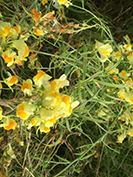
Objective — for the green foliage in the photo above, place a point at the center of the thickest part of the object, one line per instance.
(73, 39)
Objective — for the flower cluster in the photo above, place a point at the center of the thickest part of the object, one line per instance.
(120, 76)
(106, 51)
(13, 47)
(48, 105)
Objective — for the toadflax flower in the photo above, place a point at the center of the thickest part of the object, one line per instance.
(8, 123)
(11, 125)
(38, 31)
(51, 99)
(121, 137)
(8, 56)
(130, 57)
(123, 74)
(56, 84)
(43, 128)
(63, 2)
(129, 97)
(27, 87)
(104, 50)
(11, 80)
(4, 29)
(25, 109)
(21, 46)
(40, 77)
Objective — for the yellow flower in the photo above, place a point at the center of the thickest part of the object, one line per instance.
(8, 56)
(64, 109)
(128, 47)
(51, 99)
(130, 58)
(27, 87)
(38, 32)
(50, 122)
(121, 137)
(40, 78)
(46, 114)
(130, 132)
(127, 117)
(12, 125)
(25, 109)
(56, 84)
(113, 71)
(8, 123)
(116, 56)
(129, 81)
(17, 28)
(122, 94)
(19, 60)
(21, 111)
(21, 46)
(123, 74)
(63, 2)
(14, 32)
(129, 97)
(62, 81)
(4, 29)
(43, 128)
(35, 121)
(66, 99)
(104, 50)
(44, 2)
(11, 80)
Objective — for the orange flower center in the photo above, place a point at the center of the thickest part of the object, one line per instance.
(39, 74)
(26, 86)
(124, 73)
(66, 100)
(53, 85)
(26, 51)
(7, 59)
(13, 80)
(52, 120)
(21, 113)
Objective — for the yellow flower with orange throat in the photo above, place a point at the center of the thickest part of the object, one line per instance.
(9, 56)
(27, 87)
(40, 78)
(11, 80)
(8, 123)
(4, 29)
(25, 109)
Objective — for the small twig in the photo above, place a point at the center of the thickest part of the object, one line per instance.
(28, 171)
